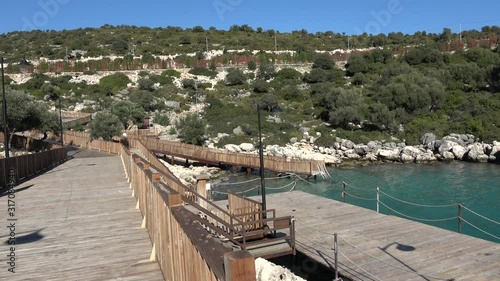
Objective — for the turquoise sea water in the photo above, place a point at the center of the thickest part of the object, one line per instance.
(441, 185)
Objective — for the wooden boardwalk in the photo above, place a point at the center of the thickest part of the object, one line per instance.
(78, 221)
(403, 249)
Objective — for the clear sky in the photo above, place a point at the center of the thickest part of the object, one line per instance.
(349, 16)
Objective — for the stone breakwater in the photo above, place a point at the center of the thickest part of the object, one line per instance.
(452, 147)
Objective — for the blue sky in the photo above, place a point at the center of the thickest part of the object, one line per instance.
(349, 16)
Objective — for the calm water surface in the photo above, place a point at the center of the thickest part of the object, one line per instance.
(440, 187)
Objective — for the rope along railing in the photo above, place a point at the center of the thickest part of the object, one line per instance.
(257, 187)
(460, 217)
(337, 250)
(417, 219)
(477, 228)
(248, 181)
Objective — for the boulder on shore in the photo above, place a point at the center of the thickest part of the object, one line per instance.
(232, 148)
(476, 153)
(247, 147)
(389, 154)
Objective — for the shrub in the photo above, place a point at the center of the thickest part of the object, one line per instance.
(266, 71)
(252, 65)
(171, 73)
(324, 61)
(114, 82)
(162, 119)
(203, 71)
(260, 86)
(235, 77)
(146, 84)
(288, 73)
(191, 129)
(189, 84)
(105, 125)
(128, 112)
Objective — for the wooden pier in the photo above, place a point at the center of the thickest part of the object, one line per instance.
(374, 246)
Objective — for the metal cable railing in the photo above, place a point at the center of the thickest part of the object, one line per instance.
(360, 250)
(459, 217)
(257, 187)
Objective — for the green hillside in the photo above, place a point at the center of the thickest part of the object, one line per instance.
(393, 85)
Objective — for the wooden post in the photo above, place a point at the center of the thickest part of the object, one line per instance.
(201, 188)
(343, 192)
(459, 218)
(378, 200)
(156, 177)
(239, 266)
(336, 252)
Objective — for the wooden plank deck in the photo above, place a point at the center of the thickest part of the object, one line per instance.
(405, 250)
(78, 221)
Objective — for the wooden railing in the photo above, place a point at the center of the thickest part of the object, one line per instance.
(179, 244)
(216, 156)
(30, 164)
(83, 140)
(245, 209)
(239, 226)
(142, 132)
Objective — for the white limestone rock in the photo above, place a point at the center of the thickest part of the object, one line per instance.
(406, 158)
(447, 155)
(389, 154)
(232, 148)
(267, 271)
(459, 151)
(476, 153)
(247, 147)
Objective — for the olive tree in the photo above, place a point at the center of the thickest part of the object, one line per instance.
(105, 125)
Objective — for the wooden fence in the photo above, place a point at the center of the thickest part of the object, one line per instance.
(179, 241)
(216, 156)
(142, 132)
(83, 140)
(28, 165)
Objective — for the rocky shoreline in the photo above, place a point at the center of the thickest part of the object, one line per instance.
(345, 153)
(459, 147)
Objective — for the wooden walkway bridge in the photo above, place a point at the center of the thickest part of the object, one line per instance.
(78, 221)
(374, 246)
(218, 156)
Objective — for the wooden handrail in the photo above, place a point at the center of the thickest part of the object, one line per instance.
(30, 164)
